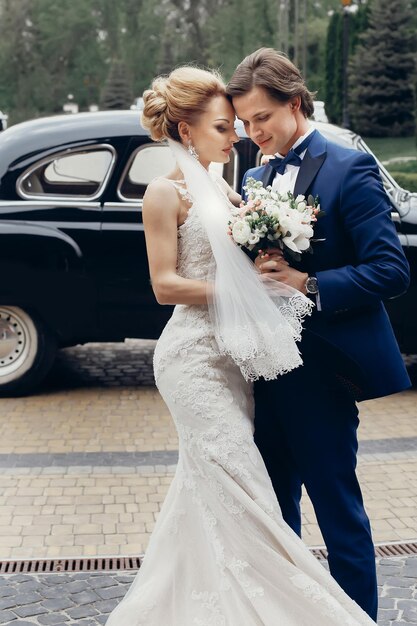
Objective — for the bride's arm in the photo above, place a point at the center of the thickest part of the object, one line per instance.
(233, 197)
(161, 209)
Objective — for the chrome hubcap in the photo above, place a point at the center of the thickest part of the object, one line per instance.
(12, 338)
(16, 342)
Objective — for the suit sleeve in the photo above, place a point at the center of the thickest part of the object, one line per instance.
(242, 191)
(380, 270)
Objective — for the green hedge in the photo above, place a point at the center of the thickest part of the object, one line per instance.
(406, 180)
(404, 166)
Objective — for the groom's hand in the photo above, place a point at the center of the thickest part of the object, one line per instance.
(268, 256)
(273, 265)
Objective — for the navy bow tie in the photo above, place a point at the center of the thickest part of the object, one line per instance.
(292, 158)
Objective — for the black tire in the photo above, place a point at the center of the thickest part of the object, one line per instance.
(27, 351)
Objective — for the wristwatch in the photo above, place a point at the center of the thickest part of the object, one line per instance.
(312, 285)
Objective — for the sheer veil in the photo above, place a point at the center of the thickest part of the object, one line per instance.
(257, 321)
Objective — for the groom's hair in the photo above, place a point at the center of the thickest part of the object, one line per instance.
(274, 72)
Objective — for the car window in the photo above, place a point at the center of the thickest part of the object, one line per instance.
(230, 170)
(153, 160)
(78, 173)
(145, 164)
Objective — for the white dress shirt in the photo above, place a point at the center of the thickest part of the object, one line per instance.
(285, 182)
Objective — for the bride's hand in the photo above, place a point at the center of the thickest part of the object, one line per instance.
(273, 265)
(269, 260)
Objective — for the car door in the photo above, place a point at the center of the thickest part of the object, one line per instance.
(56, 230)
(128, 307)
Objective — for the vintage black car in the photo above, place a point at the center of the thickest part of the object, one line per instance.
(73, 262)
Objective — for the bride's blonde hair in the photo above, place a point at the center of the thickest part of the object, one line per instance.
(181, 96)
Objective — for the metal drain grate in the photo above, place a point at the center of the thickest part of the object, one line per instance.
(49, 566)
(396, 549)
(381, 550)
(109, 564)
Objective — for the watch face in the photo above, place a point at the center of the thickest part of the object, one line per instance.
(311, 285)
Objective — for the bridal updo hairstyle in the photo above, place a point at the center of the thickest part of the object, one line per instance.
(181, 96)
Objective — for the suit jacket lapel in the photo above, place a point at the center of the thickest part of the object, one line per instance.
(312, 162)
(268, 175)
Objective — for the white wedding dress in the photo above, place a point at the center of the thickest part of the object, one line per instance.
(221, 554)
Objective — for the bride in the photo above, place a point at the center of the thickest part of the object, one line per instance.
(220, 554)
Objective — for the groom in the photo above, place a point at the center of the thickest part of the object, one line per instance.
(306, 421)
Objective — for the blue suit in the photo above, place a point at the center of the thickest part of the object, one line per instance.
(306, 421)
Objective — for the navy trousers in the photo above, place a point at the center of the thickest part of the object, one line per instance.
(306, 429)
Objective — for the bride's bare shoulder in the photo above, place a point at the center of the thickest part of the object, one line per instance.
(162, 193)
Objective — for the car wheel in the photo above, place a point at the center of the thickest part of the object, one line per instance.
(27, 351)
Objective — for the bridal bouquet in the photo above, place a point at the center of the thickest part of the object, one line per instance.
(268, 219)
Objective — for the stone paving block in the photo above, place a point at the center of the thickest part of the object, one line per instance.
(390, 570)
(8, 602)
(86, 597)
(125, 578)
(393, 581)
(105, 606)
(409, 608)
(30, 610)
(53, 592)
(52, 619)
(7, 617)
(388, 614)
(108, 593)
(101, 581)
(386, 603)
(75, 586)
(57, 604)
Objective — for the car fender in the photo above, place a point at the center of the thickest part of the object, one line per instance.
(39, 234)
(42, 269)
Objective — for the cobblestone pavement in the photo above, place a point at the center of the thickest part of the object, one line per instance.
(86, 462)
(86, 599)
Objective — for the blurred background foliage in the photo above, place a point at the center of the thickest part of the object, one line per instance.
(106, 53)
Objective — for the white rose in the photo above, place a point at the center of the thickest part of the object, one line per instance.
(241, 232)
(301, 206)
(287, 223)
(278, 213)
(298, 238)
(255, 215)
(253, 238)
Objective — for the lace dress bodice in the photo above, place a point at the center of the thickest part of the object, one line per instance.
(195, 260)
(195, 257)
